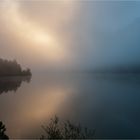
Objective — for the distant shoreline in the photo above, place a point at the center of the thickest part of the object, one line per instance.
(12, 68)
(15, 75)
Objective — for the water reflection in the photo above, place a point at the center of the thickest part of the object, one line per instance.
(12, 83)
(109, 104)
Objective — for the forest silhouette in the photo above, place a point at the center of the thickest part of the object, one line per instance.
(12, 68)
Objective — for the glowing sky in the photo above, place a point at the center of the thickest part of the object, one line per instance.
(38, 38)
(69, 33)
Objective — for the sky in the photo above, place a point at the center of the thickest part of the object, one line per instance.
(70, 34)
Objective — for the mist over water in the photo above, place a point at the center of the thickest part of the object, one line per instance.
(107, 103)
(71, 35)
(85, 65)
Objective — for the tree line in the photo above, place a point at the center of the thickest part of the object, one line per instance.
(12, 68)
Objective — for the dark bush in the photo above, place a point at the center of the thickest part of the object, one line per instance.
(65, 130)
(2, 131)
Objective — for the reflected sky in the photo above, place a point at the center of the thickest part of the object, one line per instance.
(108, 103)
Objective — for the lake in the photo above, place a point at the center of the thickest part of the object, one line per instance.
(108, 103)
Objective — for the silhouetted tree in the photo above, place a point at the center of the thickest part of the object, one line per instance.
(2, 131)
(26, 72)
(65, 130)
(12, 68)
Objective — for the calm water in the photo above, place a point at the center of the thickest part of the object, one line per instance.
(110, 104)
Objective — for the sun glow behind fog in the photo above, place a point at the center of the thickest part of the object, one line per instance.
(41, 41)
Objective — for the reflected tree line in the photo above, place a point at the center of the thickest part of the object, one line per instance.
(12, 75)
(12, 68)
(12, 83)
(11, 78)
(56, 129)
